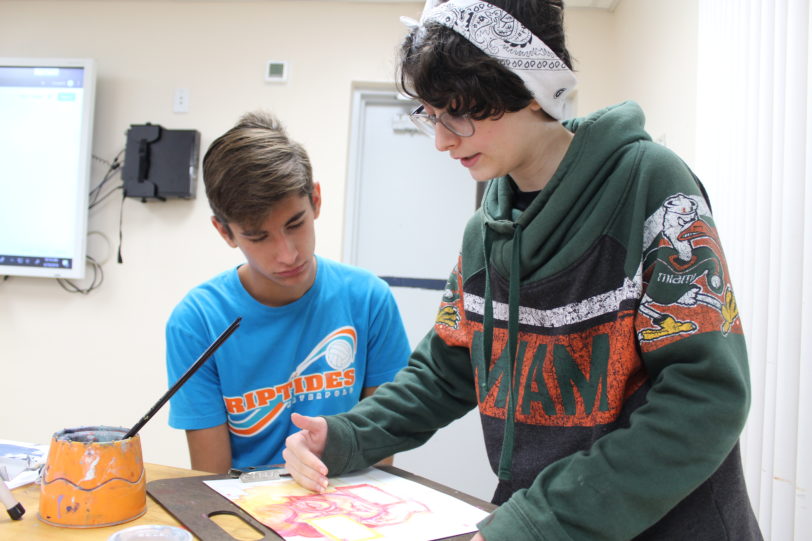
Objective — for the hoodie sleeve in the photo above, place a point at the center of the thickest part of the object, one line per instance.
(435, 389)
(691, 343)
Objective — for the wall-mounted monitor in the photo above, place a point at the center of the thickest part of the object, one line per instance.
(46, 125)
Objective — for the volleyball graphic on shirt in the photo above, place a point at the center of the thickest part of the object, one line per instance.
(257, 409)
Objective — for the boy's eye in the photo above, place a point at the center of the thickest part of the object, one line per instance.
(258, 238)
(295, 225)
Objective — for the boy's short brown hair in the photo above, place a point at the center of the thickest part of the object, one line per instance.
(251, 167)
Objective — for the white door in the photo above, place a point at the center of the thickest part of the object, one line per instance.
(407, 205)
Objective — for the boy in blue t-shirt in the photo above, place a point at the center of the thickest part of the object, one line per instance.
(316, 335)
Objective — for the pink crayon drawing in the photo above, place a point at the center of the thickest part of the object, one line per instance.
(300, 515)
(364, 506)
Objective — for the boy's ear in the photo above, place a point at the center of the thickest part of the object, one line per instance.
(224, 231)
(315, 199)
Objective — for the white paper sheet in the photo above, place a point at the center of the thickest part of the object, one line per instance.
(371, 504)
(20, 462)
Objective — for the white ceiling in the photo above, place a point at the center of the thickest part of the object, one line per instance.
(608, 5)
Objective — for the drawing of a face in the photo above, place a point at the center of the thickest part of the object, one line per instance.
(298, 515)
(680, 212)
(504, 26)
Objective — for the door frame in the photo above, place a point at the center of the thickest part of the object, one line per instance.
(363, 95)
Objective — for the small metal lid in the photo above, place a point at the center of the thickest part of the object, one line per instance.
(153, 532)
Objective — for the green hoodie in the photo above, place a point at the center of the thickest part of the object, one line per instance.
(617, 383)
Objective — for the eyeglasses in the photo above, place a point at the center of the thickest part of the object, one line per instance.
(461, 125)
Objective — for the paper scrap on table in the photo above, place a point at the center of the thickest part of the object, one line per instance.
(20, 462)
(371, 504)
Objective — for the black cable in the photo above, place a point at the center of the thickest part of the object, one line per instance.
(105, 196)
(95, 199)
(113, 169)
(105, 162)
(96, 281)
(120, 228)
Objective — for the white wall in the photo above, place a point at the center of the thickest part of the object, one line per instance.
(644, 51)
(69, 360)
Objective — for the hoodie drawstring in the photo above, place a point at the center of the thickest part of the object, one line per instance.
(487, 318)
(506, 456)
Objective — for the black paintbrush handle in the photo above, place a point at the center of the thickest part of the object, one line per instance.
(192, 369)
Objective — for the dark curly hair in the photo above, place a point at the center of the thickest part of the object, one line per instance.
(445, 70)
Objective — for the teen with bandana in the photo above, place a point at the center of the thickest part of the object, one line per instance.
(590, 315)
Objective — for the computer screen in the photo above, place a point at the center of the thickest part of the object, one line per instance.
(46, 125)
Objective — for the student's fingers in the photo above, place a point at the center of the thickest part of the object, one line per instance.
(315, 429)
(305, 468)
(303, 451)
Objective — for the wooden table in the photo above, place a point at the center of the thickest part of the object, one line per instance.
(30, 527)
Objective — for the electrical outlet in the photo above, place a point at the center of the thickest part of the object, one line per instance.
(180, 103)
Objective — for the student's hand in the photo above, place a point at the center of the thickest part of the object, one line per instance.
(303, 452)
(478, 537)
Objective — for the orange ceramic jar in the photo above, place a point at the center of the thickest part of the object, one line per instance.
(93, 477)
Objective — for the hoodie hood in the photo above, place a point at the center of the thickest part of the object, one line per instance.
(543, 239)
(601, 139)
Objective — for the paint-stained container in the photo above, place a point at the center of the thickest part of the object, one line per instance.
(93, 477)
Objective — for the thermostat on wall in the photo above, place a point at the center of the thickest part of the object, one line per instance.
(276, 71)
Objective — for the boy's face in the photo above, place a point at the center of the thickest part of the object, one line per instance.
(280, 265)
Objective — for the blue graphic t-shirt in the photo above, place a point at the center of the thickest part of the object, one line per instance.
(313, 356)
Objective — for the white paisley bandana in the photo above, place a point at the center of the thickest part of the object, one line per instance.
(499, 35)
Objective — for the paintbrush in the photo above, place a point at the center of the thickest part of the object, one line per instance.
(192, 369)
